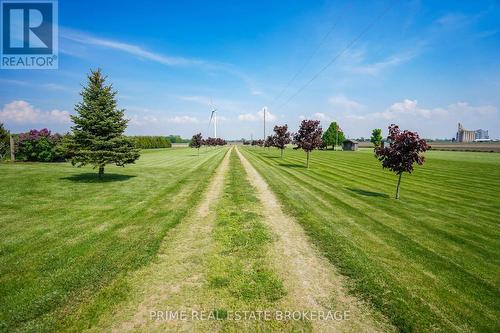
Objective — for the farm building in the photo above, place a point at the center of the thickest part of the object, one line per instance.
(350, 145)
(464, 135)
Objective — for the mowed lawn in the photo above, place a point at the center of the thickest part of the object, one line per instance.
(430, 261)
(67, 240)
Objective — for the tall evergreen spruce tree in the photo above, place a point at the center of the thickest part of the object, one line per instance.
(99, 125)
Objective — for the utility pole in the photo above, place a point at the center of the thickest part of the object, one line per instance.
(264, 109)
(337, 140)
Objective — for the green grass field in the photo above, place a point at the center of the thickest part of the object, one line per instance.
(429, 261)
(68, 240)
(70, 245)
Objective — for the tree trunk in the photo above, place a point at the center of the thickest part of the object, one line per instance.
(198, 151)
(101, 171)
(281, 153)
(307, 164)
(399, 183)
(12, 150)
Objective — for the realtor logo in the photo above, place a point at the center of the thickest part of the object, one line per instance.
(29, 36)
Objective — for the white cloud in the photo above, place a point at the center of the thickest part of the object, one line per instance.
(48, 86)
(344, 103)
(222, 105)
(59, 116)
(410, 108)
(143, 120)
(22, 112)
(132, 49)
(147, 120)
(78, 44)
(377, 67)
(321, 116)
(248, 117)
(202, 100)
(405, 108)
(183, 120)
(55, 86)
(465, 108)
(361, 61)
(452, 20)
(436, 122)
(257, 116)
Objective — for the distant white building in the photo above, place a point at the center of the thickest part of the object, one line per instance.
(464, 135)
(482, 135)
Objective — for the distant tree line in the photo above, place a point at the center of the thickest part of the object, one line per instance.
(177, 139)
(151, 142)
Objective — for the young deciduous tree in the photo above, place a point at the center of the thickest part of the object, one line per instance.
(4, 141)
(404, 150)
(281, 137)
(376, 137)
(196, 142)
(98, 128)
(269, 141)
(220, 142)
(308, 137)
(211, 142)
(333, 135)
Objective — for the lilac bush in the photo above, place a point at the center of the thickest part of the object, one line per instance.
(39, 146)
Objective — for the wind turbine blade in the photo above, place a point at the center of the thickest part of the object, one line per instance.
(211, 116)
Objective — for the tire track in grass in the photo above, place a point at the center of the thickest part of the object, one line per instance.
(321, 193)
(68, 285)
(272, 172)
(312, 282)
(435, 233)
(172, 281)
(240, 275)
(215, 262)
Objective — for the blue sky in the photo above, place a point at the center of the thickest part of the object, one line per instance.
(426, 65)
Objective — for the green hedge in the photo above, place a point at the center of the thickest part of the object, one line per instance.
(150, 142)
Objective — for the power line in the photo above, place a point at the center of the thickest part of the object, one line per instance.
(338, 55)
(313, 54)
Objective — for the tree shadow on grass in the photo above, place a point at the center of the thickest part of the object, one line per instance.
(290, 165)
(93, 178)
(368, 193)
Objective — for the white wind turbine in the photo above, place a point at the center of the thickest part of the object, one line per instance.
(213, 116)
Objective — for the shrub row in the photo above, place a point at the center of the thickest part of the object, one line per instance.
(43, 146)
(150, 142)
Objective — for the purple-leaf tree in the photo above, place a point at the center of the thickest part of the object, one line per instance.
(196, 142)
(281, 137)
(308, 137)
(403, 151)
(269, 141)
